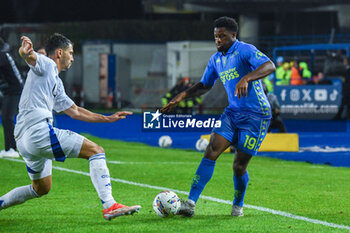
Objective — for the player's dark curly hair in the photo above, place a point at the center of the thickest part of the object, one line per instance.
(226, 22)
(57, 41)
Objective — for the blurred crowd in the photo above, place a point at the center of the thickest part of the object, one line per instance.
(186, 106)
(294, 72)
(297, 72)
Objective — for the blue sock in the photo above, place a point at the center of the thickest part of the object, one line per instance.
(240, 184)
(203, 175)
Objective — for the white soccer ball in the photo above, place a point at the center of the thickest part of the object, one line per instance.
(201, 144)
(165, 141)
(166, 203)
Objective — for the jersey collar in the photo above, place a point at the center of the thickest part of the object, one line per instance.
(232, 48)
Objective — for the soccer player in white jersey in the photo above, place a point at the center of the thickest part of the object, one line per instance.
(39, 142)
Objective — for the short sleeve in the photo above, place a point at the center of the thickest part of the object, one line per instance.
(41, 63)
(210, 75)
(253, 56)
(62, 101)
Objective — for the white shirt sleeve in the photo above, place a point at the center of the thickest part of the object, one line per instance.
(41, 64)
(62, 101)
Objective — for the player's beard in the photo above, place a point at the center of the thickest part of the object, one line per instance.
(67, 66)
(220, 49)
(224, 47)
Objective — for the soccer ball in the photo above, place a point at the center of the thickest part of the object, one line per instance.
(201, 144)
(166, 203)
(165, 141)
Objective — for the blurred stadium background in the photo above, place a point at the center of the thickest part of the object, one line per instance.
(129, 54)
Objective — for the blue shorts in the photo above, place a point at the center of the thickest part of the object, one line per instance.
(244, 131)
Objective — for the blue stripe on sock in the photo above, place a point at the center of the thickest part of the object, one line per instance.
(1, 201)
(97, 156)
(31, 171)
(56, 146)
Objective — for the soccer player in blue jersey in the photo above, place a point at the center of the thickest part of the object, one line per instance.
(239, 66)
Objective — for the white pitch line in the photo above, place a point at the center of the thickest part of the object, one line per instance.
(179, 163)
(271, 211)
(149, 163)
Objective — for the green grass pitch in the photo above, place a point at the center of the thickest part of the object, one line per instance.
(312, 191)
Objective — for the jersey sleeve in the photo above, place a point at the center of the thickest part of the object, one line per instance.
(253, 56)
(62, 101)
(210, 75)
(41, 63)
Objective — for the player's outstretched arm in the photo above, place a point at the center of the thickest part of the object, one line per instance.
(174, 102)
(261, 72)
(196, 90)
(83, 114)
(26, 51)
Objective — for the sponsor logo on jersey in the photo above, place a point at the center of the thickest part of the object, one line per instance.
(228, 75)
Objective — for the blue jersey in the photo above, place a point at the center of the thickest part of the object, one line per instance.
(240, 59)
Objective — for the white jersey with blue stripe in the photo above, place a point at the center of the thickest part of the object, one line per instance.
(43, 92)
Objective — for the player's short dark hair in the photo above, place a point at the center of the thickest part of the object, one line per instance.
(226, 22)
(57, 41)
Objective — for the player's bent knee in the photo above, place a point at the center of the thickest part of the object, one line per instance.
(239, 169)
(89, 149)
(97, 149)
(101, 150)
(211, 152)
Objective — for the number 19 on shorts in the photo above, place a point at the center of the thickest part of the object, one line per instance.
(249, 142)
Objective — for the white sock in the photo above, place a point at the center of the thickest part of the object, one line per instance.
(17, 196)
(99, 174)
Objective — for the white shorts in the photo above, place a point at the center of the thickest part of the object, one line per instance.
(42, 143)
